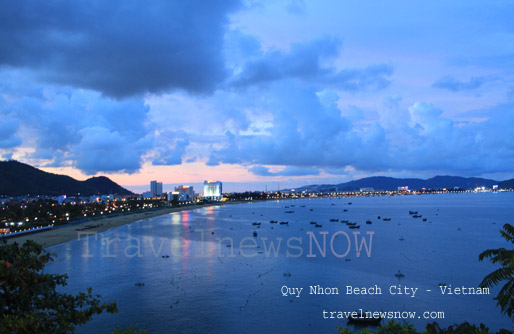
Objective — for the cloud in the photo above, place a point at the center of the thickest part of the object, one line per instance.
(287, 171)
(101, 149)
(454, 85)
(307, 62)
(8, 129)
(60, 122)
(120, 48)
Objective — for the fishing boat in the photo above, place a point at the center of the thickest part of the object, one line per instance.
(361, 319)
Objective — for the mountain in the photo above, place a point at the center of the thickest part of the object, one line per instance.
(507, 184)
(391, 183)
(17, 179)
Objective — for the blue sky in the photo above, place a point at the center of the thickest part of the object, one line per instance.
(258, 92)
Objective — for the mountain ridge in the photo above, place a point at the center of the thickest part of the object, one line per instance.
(391, 183)
(19, 179)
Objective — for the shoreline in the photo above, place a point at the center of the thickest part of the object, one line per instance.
(65, 233)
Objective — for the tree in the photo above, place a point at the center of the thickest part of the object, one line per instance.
(29, 300)
(505, 257)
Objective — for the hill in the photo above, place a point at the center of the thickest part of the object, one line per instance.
(391, 183)
(18, 179)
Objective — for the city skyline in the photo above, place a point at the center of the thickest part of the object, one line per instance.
(252, 94)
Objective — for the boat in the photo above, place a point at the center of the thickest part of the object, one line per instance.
(313, 223)
(399, 274)
(355, 226)
(284, 223)
(254, 234)
(288, 211)
(402, 238)
(424, 219)
(369, 222)
(334, 220)
(363, 320)
(416, 216)
(378, 217)
(165, 256)
(386, 219)
(351, 224)
(318, 225)
(345, 210)
(413, 212)
(273, 221)
(139, 284)
(256, 224)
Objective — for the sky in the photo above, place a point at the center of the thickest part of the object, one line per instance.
(257, 93)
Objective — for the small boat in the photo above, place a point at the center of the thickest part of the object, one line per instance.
(369, 222)
(378, 217)
(416, 216)
(351, 224)
(402, 238)
(318, 225)
(361, 319)
(254, 234)
(442, 284)
(345, 210)
(334, 220)
(313, 223)
(284, 223)
(273, 221)
(355, 226)
(311, 209)
(288, 211)
(165, 256)
(424, 219)
(287, 274)
(256, 224)
(413, 212)
(139, 284)
(399, 274)
(386, 219)
(349, 203)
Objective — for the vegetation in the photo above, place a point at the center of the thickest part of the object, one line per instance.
(29, 299)
(505, 258)
(393, 327)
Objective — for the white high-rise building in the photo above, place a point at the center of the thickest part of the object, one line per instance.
(212, 190)
(156, 188)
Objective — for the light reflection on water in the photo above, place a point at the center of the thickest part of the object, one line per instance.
(200, 287)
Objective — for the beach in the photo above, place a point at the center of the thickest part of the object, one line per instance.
(64, 233)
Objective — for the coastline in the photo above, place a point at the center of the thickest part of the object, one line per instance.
(69, 232)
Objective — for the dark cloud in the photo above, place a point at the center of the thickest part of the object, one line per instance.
(287, 171)
(119, 48)
(308, 62)
(453, 85)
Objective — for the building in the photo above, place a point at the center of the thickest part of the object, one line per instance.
(156, 188)
(185, 193)
(212, 190)
(367, 190)
(404, 188)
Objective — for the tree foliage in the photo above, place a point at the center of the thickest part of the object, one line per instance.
(505, 258)
(393, 327)
(29, 300)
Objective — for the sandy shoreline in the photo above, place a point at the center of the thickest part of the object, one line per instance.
(69, 232)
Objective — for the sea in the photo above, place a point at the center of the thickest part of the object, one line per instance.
(217, 270)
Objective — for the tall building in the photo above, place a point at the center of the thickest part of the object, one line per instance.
(212, 190)
(185, 193)
(156, 188)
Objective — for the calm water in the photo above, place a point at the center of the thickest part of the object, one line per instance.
(200, 287)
